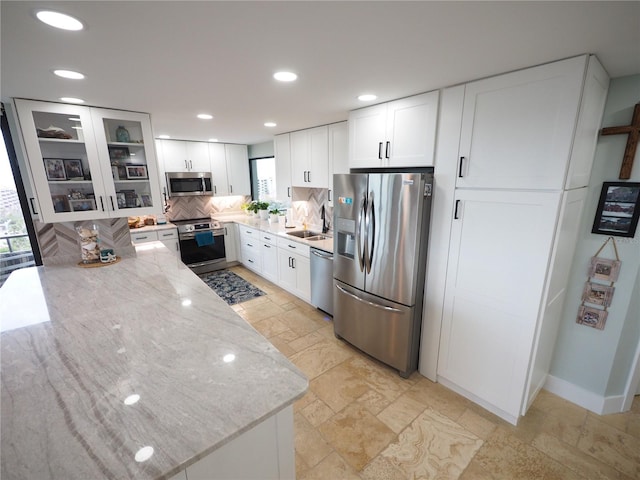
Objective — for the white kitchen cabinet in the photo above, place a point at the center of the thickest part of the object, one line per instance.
(269, 252)
(512, 231)
(282, 150)
(238, 169)
(218, 159)
(294, 268)
(338, 153)
(500, 245)
(231, 242)
(83, 165)
(250, 251)
(310, 157)
(518, 128)
(395, 134)
(168, 236)
(185, 156)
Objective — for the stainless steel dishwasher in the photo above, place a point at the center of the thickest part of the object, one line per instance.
(322, 280)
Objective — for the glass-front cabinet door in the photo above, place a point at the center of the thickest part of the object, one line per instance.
(128, 161)
(89, 163)
(63, 158)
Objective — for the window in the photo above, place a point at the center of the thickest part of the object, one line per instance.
(263, 178)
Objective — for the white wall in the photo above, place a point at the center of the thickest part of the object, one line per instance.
(260, 150)
(598, 361)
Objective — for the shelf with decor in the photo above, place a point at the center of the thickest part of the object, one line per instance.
(84, 159)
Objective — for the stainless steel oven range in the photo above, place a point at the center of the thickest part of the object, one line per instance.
(201, 244)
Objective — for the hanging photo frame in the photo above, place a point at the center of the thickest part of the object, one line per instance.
(604, 269)
(597, 294)
(592, 317)
(618, 209)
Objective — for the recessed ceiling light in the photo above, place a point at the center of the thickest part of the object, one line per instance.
(213, 139)
(69, 74)
(270, 124)
(59, 20)
(367, 97)
(205, 116)
(164, 137)
(285, 76)
(71, 100)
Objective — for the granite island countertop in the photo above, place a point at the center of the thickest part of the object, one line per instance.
(99, 363)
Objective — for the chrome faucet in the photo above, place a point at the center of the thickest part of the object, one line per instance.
(325, 224)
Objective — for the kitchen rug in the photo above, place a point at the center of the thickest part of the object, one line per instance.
(230, 287)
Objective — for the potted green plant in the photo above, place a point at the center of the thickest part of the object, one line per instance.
(263, 210)
(274, 212)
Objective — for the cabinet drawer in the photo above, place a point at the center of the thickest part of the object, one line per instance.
(142, 237)
(251, 258)
(249, 242)
(269, 238)
(249, 232)
(294, 247)
(167, 234)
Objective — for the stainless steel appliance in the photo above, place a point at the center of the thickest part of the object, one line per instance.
(201, 244)
(381, 228)
(186, 184)
(322, 280)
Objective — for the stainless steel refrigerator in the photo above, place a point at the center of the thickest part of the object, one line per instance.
(381, 229)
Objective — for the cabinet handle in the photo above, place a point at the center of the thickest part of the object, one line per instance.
(291, 246)
(460, 167)
(113, 208)
(186, 165)
(329, 195)
(386, 151)
(380, 151)
(33, 208)
(101, 203)
(230, 188)
(289, 192)
(250, 261)
(455, 213)
(190, 164)
(225, 231)
(267, 238)
(249, 245)
(309, 176)
(293, 262)
(215, 190)
(268, 246)
(142, 238)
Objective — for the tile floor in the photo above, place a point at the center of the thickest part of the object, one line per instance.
(361, 421)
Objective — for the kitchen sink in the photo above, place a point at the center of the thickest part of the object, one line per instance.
(304, 234)
(319, 237)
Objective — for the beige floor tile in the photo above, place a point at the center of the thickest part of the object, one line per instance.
(433, 446)
(477, 424)
(475, 471)
(582, 464)
(282, 346)
(306, 341)
(438, 398)
(611, 446)
(380, 377)
(270, 327)
(318, 358)
(301, 466)
(309, 444)
(400, 413)
(381, 469)
(317, 412)
(256, 312)
(374, 401)
(333, 467)
(307, 399)
(356, 435)
(338, 387)
(505, 457)
(298, 321)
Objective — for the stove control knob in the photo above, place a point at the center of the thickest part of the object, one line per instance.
(188, 228)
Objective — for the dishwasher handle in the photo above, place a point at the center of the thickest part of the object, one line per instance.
(326, 256)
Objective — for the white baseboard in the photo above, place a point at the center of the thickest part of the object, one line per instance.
(584, 398)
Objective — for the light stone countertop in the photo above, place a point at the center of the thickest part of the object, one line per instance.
(154, 228)
(76, 342)
(277, 229)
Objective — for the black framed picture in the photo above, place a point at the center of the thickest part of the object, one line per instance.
(118, 153)
(618, 209)
(73, 169)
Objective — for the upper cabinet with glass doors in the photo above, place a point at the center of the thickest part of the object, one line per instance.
(89, 163)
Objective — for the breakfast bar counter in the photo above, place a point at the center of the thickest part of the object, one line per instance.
(136, 370)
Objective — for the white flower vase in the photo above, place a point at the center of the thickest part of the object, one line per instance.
(263, 214)
(273, 218)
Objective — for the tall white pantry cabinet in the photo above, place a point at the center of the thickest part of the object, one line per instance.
(509, 210)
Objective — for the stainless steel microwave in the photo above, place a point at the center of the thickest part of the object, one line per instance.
(187, 184)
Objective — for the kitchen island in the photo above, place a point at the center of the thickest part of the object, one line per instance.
(137, 370)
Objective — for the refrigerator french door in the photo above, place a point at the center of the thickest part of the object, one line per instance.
(381, 222)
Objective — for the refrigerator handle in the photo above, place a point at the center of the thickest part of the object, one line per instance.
(371, 304)
(361, 214)
(371, 230)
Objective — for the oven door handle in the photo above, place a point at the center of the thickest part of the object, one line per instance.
(190, 236)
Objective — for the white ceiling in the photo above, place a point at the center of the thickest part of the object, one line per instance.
(177, 59)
